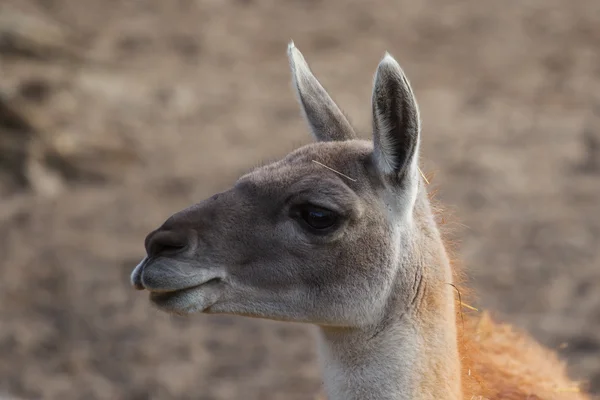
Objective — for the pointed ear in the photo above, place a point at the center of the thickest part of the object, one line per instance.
(396, 123)
(326, 120)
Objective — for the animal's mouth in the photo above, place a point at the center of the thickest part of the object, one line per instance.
(160, 296)
(192, 299)
(177, 286)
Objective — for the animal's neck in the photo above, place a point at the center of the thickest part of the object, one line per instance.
(411, 355)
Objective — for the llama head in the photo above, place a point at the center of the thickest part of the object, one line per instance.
(325, 236)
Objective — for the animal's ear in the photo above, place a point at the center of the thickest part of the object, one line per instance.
(326, 120)
(396, 123)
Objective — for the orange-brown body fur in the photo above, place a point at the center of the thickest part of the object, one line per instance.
(501, 363)
(498, 361)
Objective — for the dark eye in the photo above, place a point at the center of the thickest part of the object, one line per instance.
(317, 217)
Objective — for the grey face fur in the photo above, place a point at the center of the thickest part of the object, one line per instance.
(324, 236)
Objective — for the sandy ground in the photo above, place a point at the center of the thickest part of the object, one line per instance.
(127, 111)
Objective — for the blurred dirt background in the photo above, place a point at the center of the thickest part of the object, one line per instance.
(114, 114)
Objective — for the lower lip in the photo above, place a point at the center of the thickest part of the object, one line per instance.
(162, 297)
(166, 296)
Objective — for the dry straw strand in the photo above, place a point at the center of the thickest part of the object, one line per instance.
(331, 169)
(423, 175)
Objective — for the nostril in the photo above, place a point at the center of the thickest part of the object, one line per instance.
(165, 243)
(161, 248)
